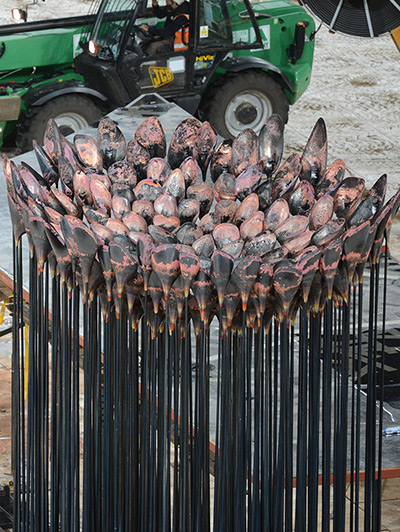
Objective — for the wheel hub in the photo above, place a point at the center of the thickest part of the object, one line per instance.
(246, 113)
(70, 122)
(248, 109)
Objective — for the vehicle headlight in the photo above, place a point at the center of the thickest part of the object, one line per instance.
(19, 15)
(93, 48)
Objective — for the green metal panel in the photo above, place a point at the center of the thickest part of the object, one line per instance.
(278, 34)
(40, 48)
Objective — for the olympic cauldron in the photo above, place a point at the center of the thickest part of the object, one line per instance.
(145, 262)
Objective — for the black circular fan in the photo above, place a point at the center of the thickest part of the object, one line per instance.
(363, 18)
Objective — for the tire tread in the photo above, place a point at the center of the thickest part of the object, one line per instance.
(34, 122)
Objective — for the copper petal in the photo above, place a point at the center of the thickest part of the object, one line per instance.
(88, 151)
(348, 196)
(150, 134)
(221, 161)
(270, 144)
(313, 160)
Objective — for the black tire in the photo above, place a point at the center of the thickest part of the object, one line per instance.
(71, 112)
(245, 100)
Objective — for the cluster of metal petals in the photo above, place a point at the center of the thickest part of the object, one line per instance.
(226, 225)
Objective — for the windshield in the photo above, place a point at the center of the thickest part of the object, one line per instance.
(112, 19)
(225, 23)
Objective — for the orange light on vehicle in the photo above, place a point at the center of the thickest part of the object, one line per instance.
(93, 48)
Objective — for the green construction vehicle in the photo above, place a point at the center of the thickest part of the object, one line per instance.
(243, 62)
